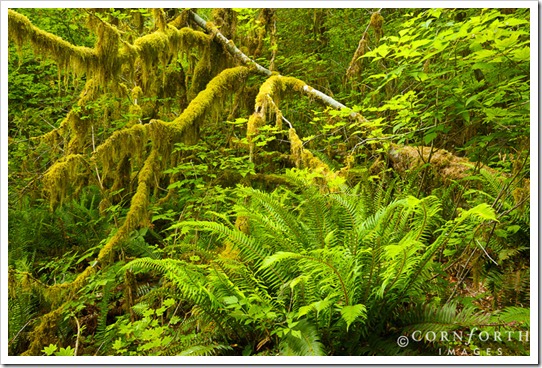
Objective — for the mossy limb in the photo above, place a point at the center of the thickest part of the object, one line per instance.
(63, 175)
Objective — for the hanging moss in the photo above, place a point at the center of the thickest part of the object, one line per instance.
(225, 20)
(181, 20)
(376, 22)
(44, 333)
(164, 133)
(151, 49)
(303, 158)
(188, 39)
(159, 18)
(64, 174)
(122, 143)
(356, 64)
(269, 94)
(265, 19)
(77, 58)
(200, 76)
(138, 215)
(130, 293)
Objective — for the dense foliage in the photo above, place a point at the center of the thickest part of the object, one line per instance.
(168, 197)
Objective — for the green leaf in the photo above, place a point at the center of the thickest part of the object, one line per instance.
(484, 211)
(512, 229)
(350, 313)
(230, 300)
(67, 351)
(514, 22)
(169, 302)
(49, 350)
(429, 137)
(297, 280)
(507, 42)
(522, 54)
(277, 257)
(174, 320)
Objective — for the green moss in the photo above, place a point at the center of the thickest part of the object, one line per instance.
(63, 175)
(159, 18)
(44, 333)
(126, 142)
(67, 56)
(222, 84)
(303, 158)
(151, 49)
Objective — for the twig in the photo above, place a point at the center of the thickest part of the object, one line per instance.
(21, 330)
(488, 256)
(463, 276)
(95, 165)
(279, 112)
(78, 334)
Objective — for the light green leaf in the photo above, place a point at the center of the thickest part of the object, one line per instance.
(67, 351)
(230, 300)
(169, 302)
(522, 54)
(277, 257)
(483, 210)
(514, 22)
(350, 313)
(429, 137)
(296, 333)
(49, 350)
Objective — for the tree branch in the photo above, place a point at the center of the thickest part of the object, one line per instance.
(239, 55)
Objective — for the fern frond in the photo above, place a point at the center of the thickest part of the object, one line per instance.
(515, 315)
(204, 350)
(447, 317)
(104, 336)
(308, 342)
(189, 278)
(275, 210)
(251, 248)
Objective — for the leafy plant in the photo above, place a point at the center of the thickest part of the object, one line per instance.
(325, 265)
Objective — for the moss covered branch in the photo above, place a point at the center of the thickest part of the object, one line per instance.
(245, 60)
(164, 133)
(79, 58)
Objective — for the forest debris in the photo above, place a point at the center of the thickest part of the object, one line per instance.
(446, 164)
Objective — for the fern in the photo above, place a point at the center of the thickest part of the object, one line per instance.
(188, 278)
(199, 350)
(334, 265)
(303, 342)
(514, 315)
(441, 318)
(104, 336)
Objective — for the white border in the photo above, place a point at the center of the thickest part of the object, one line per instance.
(533, 359)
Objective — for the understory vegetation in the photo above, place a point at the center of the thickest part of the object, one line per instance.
(268, 181)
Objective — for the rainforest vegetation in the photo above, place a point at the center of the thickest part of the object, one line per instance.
(268, 181)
